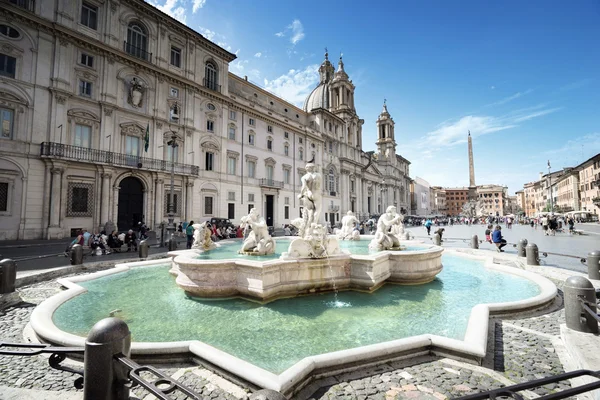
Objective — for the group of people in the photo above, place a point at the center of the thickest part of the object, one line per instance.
(101, 243)
(494, 235)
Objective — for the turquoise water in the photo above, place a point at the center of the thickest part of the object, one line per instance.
(277, 335)
(229, 250)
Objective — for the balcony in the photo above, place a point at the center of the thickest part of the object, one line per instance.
(333, 208)
(137, 52)
(270, 183)
(332, 193)
(28, 5)
(86, 155)
(211, 84)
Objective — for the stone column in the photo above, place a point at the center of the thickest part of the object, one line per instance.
(189, 207)
(55, 201)
(115, 213)
(105, 199)
(159, 196)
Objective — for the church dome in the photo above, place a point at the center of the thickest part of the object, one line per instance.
(318, 98)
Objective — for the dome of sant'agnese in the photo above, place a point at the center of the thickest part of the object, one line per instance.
(319, 97)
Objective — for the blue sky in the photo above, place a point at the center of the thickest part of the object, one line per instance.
(522, 76)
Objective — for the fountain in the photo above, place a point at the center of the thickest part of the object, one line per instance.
(314, 261)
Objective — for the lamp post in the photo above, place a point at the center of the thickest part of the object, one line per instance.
(550, 188)
(171, 206)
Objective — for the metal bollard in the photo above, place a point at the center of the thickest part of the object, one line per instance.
(437, 240)
(578, 288)
(267, 394)
(533, 257)
(105, 378)
(593, 264)
(474, 242)
(521, 247)
(143, 248)
(8, 275)
(76, 254)
(172, 243)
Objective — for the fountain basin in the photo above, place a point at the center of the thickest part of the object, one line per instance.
(266, 280)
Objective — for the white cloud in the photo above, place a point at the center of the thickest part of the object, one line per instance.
(258, 55)
(492, 87)
(294, 86)
(527, 117)
(170, 8)
(238, 66)
(296, 31)
(198, 4)
(207, 33)
(509, 98)
(451, 134)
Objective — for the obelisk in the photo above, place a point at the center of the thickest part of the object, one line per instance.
(472, 186)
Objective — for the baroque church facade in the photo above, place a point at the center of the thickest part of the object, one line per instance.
(106, 105)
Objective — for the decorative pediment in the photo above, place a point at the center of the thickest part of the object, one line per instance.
(132, 129)
(251, 158)
(286, 166)
(83, 114)
(11, 98)
(9, 48)
(209, 145)
(233, 154)
(270, 161)
(168, 135)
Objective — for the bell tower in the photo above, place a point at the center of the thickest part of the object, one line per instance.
(386, 142)
(342, 89)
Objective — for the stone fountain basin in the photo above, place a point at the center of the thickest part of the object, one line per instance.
(271, 279)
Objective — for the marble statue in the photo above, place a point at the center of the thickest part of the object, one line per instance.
(349, 225)
(202, 239)
(387, 227)
(312, 241)
(258, 242)
(310, 195)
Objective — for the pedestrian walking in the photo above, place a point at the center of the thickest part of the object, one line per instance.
(189, 233)
(428, 224)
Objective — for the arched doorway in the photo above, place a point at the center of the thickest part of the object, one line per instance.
(131, 203)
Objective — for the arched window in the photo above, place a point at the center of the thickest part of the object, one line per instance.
(331, 181)
(210, 76)
(137, 41)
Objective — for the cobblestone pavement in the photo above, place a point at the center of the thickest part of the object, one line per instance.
(520, 349)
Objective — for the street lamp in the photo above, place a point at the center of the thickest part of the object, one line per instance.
(171, 206)
(550, 188)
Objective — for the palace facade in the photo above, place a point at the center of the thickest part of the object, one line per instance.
(107, 104)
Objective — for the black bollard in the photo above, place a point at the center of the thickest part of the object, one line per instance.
(578, 288)
(521, 248)
(593, 264)
(143, 249)
(533, 257)
(76, 255)
(106, 379)
(8, 275)
(474, 242)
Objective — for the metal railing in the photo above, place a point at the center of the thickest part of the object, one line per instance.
(108, 371)
(270, 183)
(84, 154)
(137, 51)
(28, 5)
(512, 391)
(211, 84)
